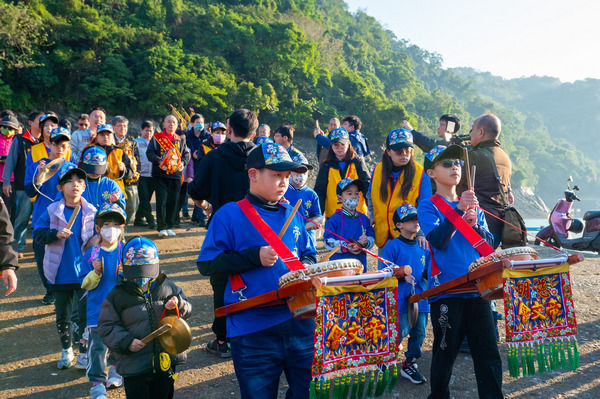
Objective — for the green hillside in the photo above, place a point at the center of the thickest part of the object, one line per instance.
(292, 61)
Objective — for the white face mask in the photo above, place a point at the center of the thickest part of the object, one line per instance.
(110, 234)
(351, 204)
(219, 138)
(299, 180)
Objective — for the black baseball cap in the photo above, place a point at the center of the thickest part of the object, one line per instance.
(275, 157)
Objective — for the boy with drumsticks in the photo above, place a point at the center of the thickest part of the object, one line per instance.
(103, 261)
(64, 227)
(456, 315)
(241, 242)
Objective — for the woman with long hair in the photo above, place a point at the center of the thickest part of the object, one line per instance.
(397, 180)
(342, 162)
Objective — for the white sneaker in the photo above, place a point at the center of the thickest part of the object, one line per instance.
(98, 392)
(82, 361)
(66, 359)
(171, 233)
(114, 379)
(163, 233)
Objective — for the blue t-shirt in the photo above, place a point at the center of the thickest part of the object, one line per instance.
(310, 207)
(348, 227)
(408, 252)
(454, 256)
(230, 230)
(112, 260)
(97, 192)
(70, 270)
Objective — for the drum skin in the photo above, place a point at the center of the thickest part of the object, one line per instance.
(490, 286)
(304, 304)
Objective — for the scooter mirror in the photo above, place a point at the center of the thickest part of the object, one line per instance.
(576, 188)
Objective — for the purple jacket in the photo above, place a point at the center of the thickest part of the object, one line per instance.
(54, 250)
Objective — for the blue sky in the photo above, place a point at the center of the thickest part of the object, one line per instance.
(508, 38)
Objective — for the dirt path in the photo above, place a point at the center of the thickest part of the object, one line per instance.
(30, 346)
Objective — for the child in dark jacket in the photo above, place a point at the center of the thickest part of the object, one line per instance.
(131, 311)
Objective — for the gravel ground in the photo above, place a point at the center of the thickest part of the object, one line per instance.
(30, 346)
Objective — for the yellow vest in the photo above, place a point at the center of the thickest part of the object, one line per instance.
(331, 201)
(112, 168)
(383, 212)
(39, 152)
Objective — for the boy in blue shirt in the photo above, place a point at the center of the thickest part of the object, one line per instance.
(63, 231)
(298, 190)
(456, 315)
(264, 341)
(100, 190)
(350, 224)
(404, 250)
(103, 261)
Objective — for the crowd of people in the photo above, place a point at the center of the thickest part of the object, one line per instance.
(82, 188)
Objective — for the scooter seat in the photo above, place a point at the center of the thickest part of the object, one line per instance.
(591, 215)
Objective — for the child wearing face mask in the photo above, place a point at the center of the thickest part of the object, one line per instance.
(104, 263)
(350, 224)
(298, 190)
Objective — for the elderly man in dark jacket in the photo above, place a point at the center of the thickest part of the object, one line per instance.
(492, 190)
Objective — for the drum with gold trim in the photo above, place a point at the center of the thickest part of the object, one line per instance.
(490, 285)
(303, 304)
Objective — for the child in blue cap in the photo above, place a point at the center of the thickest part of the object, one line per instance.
(350, 224)
(131, 311)
(404, 250)
(103, 261)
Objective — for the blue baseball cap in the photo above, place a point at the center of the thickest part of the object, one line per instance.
(298, 157)
(404, 213)
(345, 183)
(399, 138)
(67, 170)
(338, 134)
(107, 127)
(273, 156)
(441, 152)
(113, 209)
(218, 125)
(263, 139)
(93, 160)
(140, 259)
(59, 133)
(49, 116)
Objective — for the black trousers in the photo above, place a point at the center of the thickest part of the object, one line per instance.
(218, 283)
(66, 299)
(452, 319)
(149, 386)
(145, 191)
(167, 198)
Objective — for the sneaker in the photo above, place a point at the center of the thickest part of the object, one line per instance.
(140, 223)
(163, 233)
(98, 392)
(48, 299)
(219, 350)
(114, 379)
(82, 361)
(410, 371)
(66, 359)
(171, 233)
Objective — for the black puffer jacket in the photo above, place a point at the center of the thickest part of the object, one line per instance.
(124, 315)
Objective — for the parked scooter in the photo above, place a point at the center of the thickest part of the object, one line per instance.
(562, 223)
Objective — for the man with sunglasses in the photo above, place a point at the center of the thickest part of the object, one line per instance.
(486, 153)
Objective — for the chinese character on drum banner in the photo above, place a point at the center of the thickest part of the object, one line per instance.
(539, 309)
(356, 332)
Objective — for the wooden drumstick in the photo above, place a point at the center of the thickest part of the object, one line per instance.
(467, 169)
(329, 254)
(73, 217)
(156, 333)
(290, 218)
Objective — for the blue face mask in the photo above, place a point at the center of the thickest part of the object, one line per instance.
(199, 126)
(351, 204)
